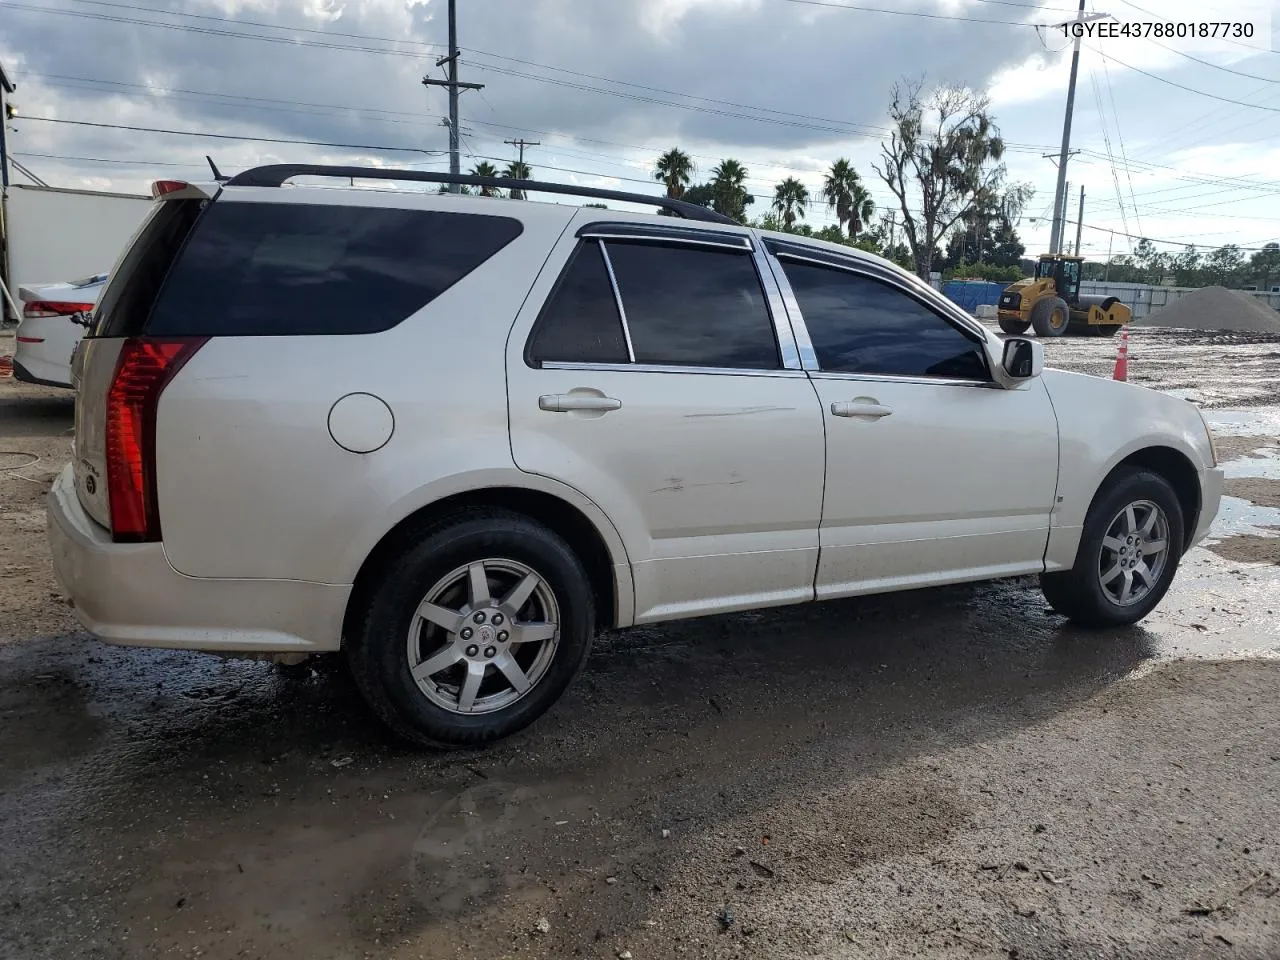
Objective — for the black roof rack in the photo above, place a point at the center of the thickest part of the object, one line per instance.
(274, 175)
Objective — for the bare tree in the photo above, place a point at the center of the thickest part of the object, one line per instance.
(943, 158)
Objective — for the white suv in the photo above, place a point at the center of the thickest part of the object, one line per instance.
(454, 436)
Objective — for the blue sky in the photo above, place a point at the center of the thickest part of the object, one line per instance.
(784, 86)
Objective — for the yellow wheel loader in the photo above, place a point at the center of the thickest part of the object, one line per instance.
(1051, 303)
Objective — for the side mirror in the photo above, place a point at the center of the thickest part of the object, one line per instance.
(1023, 359)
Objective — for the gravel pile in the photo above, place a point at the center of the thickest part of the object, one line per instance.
(1217, 308)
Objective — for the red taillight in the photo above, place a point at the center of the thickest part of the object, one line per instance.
(143, 371)
(54, 308)
(160, 187)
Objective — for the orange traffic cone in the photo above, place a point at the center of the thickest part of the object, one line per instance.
(1122, 357)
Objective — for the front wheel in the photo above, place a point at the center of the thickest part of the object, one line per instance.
(1106, 329)
(1050, 317)
(1014, 327)
(478, 626)
(1128, 553)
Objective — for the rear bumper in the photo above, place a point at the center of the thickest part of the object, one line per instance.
(25, 372)
(127, 593)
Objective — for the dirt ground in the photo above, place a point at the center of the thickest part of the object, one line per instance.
(945, 774)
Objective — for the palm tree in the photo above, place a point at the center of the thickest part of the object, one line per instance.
(674, 168)
(485, 169)
(843, 190)
(731, 197)
(790, 200)
(518, 170)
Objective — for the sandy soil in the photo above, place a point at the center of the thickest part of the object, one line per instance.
(947, 774)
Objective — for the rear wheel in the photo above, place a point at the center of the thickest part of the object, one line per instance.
(1128, 553)
(1050, 317)
(476, 629)
(1014, 327)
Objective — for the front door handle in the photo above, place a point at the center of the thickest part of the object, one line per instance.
(862, 408)
(565, 402)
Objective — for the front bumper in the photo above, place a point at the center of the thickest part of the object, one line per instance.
(1212, 483)
(127, 593)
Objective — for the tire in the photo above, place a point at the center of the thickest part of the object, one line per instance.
(1050, 317)
(1085, 594)
(1014, 327)
(475, 636)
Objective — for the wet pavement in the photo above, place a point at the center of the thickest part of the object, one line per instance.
(947, 773)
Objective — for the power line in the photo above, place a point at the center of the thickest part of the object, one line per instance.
(1215, 66)
(912, 13)
(1156, 16)
(1124, 154)
(1174, 83)
(228, 136)
(148, 163)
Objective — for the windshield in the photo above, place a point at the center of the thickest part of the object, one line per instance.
(1044, 268)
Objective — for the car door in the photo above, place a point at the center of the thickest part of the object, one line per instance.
(934, 473)
(647, 371)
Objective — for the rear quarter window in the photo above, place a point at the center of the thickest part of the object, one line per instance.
(273, 269)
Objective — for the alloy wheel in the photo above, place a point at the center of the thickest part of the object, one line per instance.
(483, 636)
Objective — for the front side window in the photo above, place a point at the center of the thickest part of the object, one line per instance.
(859, 324)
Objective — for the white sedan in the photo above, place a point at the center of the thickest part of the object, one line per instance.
(54, 319)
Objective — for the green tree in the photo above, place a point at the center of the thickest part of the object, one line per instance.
(1223, 265)
(845, 193)
(1265, 266)
(1151, 263)
(703, 194)
(674, 169)
(943, 157)
(1186, 268)
(728, 185)
(518, 170)
(485, 169)
(790, 200)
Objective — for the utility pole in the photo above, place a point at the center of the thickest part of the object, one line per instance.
(521, 144)
(454, 86)
(1055, 244)
(1080, 220)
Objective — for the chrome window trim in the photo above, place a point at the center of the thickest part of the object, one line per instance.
(898, 378)
(806, 356)
(745, 247)
(669, 231)
(617, 299)
(784, 333)
(672, 368)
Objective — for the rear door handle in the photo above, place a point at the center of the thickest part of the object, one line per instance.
(860, 409)
(565, 402)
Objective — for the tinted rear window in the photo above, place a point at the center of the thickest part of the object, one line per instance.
(127, 300)
(271, 269)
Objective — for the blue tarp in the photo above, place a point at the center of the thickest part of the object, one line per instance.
(970, 293)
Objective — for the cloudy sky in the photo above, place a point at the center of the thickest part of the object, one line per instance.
(786, 86)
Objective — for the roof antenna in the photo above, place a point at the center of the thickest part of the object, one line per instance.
(217, 174)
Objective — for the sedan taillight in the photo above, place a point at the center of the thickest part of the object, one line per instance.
(54, 308)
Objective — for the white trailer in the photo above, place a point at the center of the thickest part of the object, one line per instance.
(55, 235)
